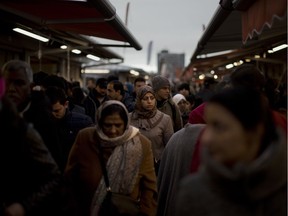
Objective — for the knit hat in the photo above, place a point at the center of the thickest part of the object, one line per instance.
(247, 75)
(159, 82)
(196, 116)
(178, 97)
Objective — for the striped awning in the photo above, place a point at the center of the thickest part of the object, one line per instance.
(261, 14)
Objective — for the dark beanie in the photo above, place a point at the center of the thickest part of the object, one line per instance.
(246, 104)
(159, 82)
(247, 75)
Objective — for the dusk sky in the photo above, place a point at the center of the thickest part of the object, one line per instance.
(171, 25)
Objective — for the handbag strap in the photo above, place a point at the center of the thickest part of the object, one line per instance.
(103, 167)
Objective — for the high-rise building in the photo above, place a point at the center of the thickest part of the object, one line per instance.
(170, 65)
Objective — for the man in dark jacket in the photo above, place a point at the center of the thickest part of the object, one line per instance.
(162, 88)
(115, 91)
(96, 97)
(67, 123)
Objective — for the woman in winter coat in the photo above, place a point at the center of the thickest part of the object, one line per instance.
(244, 170)
(129, 163)
(152, 123)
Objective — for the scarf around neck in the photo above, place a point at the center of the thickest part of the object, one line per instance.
(122, 166)
(256, 180)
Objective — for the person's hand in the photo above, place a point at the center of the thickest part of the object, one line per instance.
(15, 209)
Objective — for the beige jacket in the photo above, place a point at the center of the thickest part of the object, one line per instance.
(157, 129)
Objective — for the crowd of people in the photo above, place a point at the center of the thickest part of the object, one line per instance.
(220, 151)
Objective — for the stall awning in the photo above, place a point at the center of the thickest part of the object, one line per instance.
(261, 14)
(240, 29)
(88, 17)
(227, 29)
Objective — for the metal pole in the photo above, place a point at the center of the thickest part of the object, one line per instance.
(68, 64)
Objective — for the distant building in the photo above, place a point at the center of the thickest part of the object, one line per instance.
(170, 65)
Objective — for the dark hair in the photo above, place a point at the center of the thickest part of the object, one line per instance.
(183, 86)
(39, 76)
(111, 78)
(54, 80)
(191, 98)
(208, 81)
(139, 79)
(56, 94)
(101, 82)
(77, 95)
(75, 84)
(247, 75)
(250, 107)
(117, 85)
(91, 79)
(112, 109)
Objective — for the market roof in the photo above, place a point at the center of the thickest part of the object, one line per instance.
(71, 21)
(239, 28)
(91, 17)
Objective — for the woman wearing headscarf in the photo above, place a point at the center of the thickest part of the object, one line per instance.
(182, 103)
(129, 163)
(152, 123)
(244, 170)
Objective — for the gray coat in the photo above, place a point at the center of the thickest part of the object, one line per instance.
(175, 164)
(157, 129)
(257, 189)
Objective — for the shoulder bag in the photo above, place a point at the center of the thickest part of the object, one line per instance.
(116, 203)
